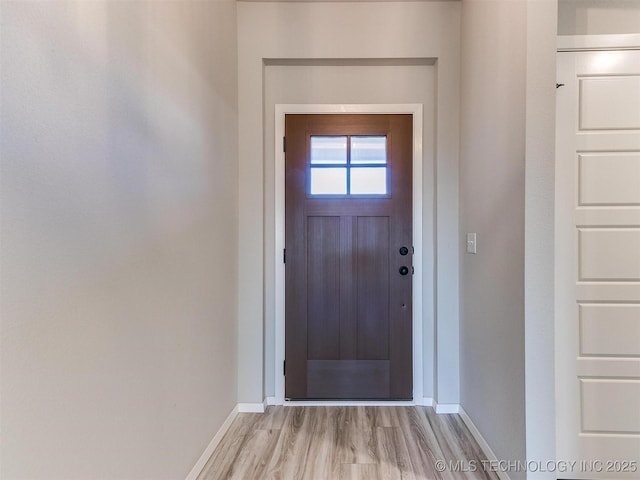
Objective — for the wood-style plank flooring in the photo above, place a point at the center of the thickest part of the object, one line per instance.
(335, 443)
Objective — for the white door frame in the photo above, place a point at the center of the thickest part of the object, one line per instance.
(280, 111)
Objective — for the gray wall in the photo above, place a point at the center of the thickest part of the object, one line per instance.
(119, 232)
(492, 175)
(539, 233)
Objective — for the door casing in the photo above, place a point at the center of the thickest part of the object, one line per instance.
(416, 111)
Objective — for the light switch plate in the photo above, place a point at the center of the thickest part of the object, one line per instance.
(471, 243)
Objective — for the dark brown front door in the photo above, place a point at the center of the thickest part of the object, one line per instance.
(348, 256)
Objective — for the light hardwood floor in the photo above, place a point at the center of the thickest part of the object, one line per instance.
(335, 443)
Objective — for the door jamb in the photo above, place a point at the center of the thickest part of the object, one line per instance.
(417, 338)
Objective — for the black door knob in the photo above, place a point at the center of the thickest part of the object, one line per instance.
(403, 270)
(404, 251)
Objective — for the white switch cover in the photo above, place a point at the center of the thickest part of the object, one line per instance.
(471, 243)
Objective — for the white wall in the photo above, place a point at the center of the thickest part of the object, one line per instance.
(592, 17)
(492, 183)
(119, 229)
(414, 30)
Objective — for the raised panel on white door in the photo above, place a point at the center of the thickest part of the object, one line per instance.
(610, 103)
(610, 406)
(609, 178)
(609, 254)
(607, 291)
(615, 367)
(609, 329)
(607, 217)
(602, 140)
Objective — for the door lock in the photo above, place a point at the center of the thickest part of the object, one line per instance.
(403, 270)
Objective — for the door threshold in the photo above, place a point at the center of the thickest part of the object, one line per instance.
(349, 403)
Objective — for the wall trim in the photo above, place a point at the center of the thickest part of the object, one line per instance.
(416, 110)
(446, 408)
(577, 43)
(251, 407)
(215, 441)
(482, 443)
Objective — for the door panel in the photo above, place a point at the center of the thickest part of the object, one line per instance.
(622, 326)
(372, 319)
(348, 379)
(323, 237)
(609, 179)
(598, 262)
(610, 102)
(348, 308)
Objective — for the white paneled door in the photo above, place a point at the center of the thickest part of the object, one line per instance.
(598, 264)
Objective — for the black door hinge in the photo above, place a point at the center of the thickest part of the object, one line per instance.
(284, 144)
(284, 367)
(284, 255)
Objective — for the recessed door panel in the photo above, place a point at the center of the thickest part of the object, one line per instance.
(323, 287)
(373, 288)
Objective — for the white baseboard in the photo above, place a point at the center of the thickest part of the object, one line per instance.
(425, 402)
(446, 408)
(251, 407)
(482, 443)
(204, 458)
(270, 401)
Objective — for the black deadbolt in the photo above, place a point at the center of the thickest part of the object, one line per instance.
(403, 270)
(404, 251)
